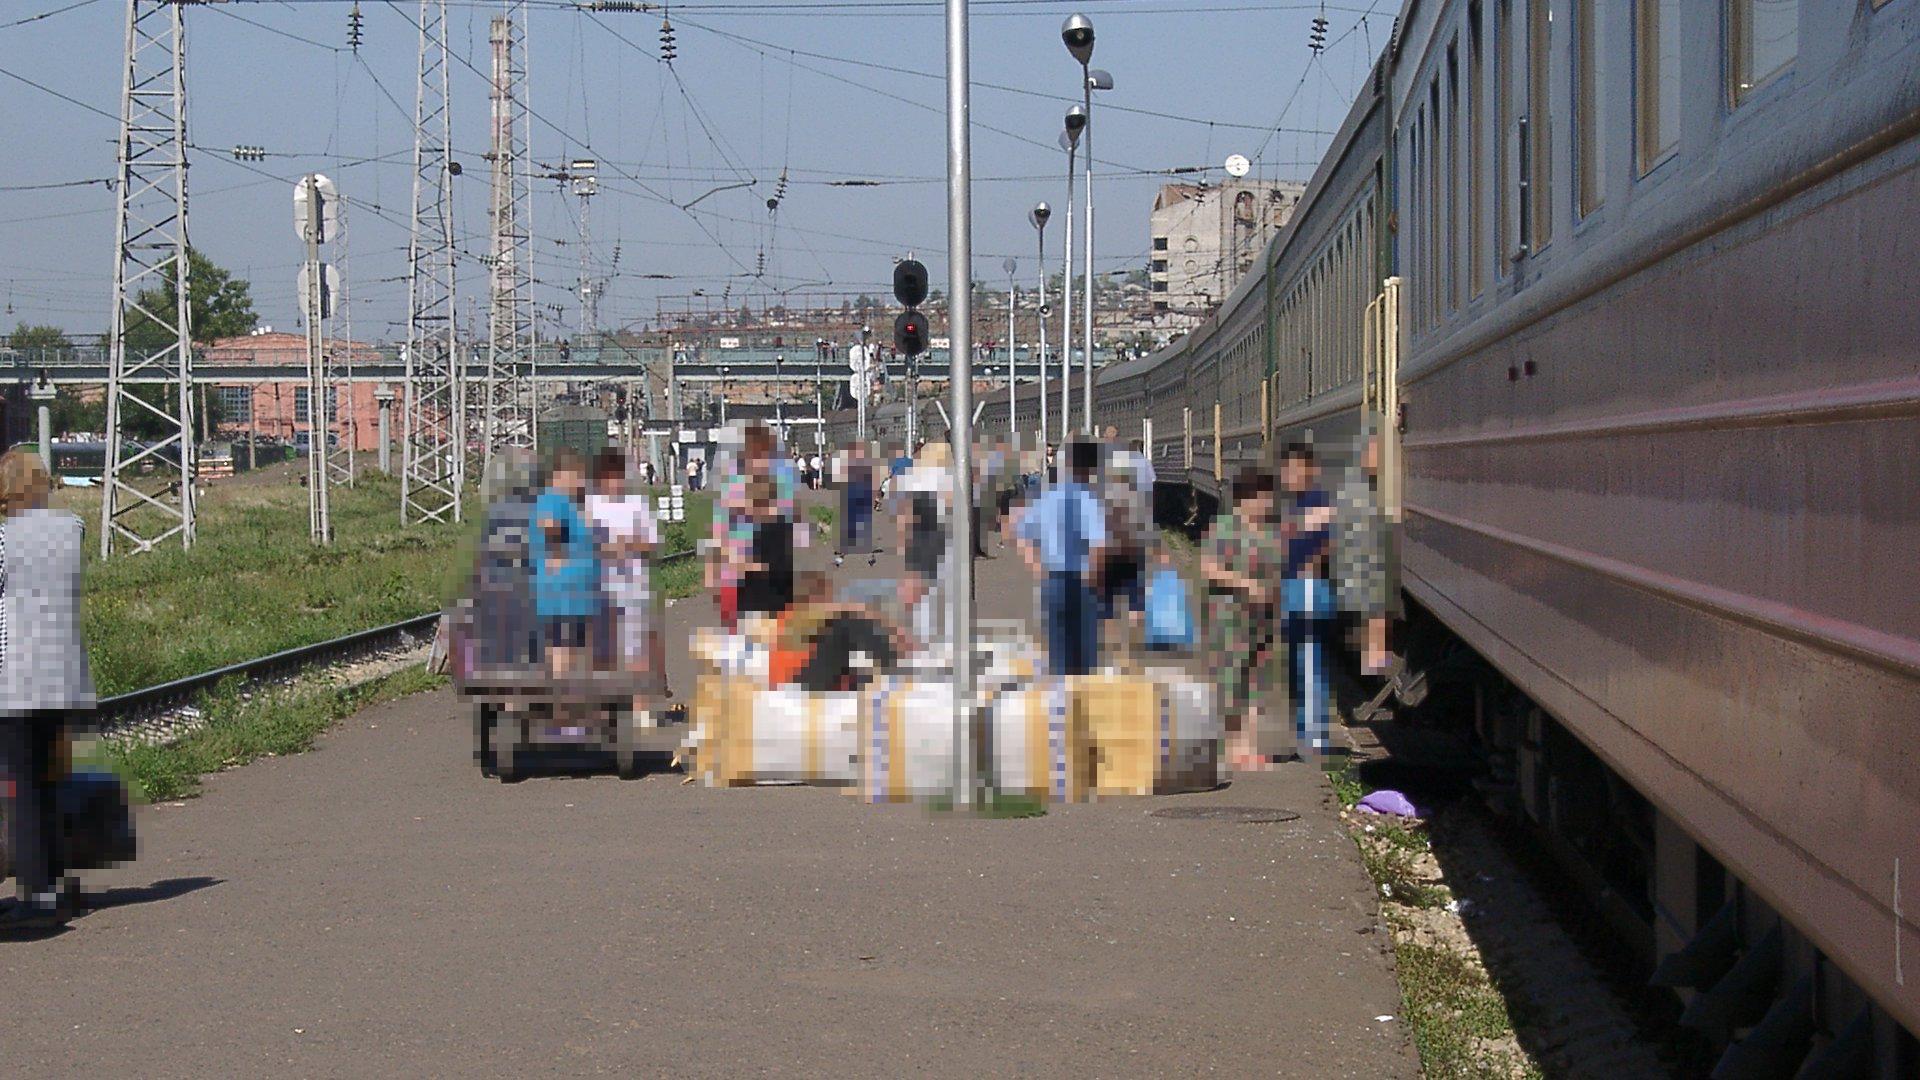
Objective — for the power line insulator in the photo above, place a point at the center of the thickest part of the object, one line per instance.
(1317, 41)
(355, 28)
(667, 48)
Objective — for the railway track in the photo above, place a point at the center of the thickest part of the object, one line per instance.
(123, 711)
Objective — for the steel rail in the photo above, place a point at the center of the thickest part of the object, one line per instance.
(140, 704)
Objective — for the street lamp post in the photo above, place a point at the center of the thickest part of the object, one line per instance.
(779, 396)
(1077, 34)
(1038, 216)
(819, 405)
(1069, 140)
(1013, 404)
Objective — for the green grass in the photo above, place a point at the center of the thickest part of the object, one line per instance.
(254, 584)
(994, 805)
(1391, 855)
(1346, 784)
(239, 730)
(1454, 1009)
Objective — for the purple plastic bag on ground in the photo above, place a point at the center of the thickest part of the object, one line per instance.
(1388, 802)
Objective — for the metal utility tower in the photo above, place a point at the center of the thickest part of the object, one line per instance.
(147, 493)
(433, 469)
(341, 466)
(583, 173)
(508, 414)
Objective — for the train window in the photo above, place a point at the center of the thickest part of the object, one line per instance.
(1540, 119)
(1414, 255)
(1764, 37)
(1433, 204)
(1656, 80)
(1588, 125)
(1476, 155)
(1503, 186)
(1454, 122)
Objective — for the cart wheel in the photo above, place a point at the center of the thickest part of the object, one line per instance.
(626, 750)
(506, 750)
(486, 721)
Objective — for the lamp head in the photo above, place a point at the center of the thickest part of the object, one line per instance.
(1039, 215)
(1099, 79)
(1077, 34)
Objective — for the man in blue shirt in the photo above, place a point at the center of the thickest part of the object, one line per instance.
(1063, 538)
(566, 565)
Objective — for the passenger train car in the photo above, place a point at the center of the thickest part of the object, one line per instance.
(1627, 287)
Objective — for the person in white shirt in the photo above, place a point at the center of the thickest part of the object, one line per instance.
(819, 470)
(925, 513)
(624, 524)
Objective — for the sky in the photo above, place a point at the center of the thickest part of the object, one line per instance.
(826, 90)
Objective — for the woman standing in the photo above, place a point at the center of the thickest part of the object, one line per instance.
(44, 682)
(1241, 561)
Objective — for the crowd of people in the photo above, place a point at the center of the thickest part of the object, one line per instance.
(564, 583)
(1286, 566)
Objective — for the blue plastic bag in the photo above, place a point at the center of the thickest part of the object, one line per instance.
(1169, 617)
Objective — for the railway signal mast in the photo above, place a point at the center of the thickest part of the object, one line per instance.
(150, 259)
(508, 417)
(433, 466)
(316, 221)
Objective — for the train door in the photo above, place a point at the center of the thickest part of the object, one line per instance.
(1380, 389)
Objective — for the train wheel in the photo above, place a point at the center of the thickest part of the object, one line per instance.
(486, 720)
(626, 749)
(506, 751)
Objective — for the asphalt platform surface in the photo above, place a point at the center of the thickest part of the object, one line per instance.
(376, 907)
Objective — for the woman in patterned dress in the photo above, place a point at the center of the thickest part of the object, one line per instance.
(1241, 561)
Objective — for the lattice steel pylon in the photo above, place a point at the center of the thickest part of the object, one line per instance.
(341, 466)
(147, 491)
(508, 410)
(433, 469)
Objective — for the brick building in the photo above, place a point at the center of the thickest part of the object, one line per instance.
(279, 409)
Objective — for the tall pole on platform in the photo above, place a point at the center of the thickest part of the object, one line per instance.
(1070, 142)
(1077, 34)
(1038, 216)
(1013, 403)
(960, 390)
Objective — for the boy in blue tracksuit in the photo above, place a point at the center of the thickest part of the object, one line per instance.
(1307, 525)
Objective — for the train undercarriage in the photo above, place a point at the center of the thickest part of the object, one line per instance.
(1750, 994)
